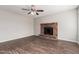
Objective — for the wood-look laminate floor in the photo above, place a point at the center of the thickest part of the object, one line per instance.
(37, 45)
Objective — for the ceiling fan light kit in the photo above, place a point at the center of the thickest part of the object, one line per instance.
(33, 13)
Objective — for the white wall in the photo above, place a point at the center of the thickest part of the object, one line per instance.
(78, 25)
(67, 24)
(13, 26)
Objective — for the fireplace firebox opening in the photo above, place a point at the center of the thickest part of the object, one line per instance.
(48, 30)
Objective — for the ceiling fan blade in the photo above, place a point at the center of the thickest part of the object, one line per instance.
(25, 9)
(37, 14)
(40, 10)
(29, 12)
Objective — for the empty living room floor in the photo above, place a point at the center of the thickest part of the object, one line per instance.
(37, 45)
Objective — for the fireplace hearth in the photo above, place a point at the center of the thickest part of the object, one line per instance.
(49, 30)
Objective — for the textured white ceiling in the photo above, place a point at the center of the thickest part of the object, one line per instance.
(48, 9)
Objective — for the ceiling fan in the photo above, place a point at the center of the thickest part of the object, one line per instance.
(32, 10)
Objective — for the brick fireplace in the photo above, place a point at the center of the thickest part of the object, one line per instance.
(49, 30)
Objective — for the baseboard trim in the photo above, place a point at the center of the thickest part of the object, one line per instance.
(69, 40)
(15, 38)
(78, 43)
